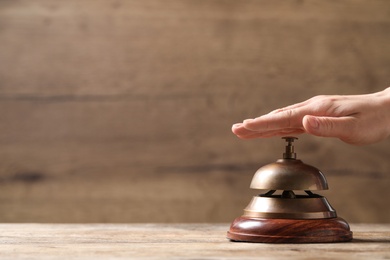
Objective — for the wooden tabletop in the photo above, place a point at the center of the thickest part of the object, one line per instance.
(174, 241)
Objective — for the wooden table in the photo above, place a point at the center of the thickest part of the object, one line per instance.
(174, 241)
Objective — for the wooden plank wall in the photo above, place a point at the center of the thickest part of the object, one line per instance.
(120, 111)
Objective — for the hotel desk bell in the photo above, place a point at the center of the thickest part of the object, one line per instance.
(282, 215)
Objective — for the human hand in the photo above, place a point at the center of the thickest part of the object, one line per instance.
(354, 119)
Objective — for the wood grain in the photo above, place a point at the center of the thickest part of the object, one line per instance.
(173, 241)
(262, 230)
(120, 111)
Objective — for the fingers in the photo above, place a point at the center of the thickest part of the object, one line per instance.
(240, 130)
(339, 127)
(273, 134)
(285, 122)
(289, 120)
(285, 119)
(243, 133)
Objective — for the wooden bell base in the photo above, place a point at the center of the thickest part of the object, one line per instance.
(263, 230)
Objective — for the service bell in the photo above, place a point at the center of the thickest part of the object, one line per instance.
(289, 212)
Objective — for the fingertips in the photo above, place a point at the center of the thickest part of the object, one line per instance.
(240, 130)
(253, 124)
(235, 128)
(236, 125)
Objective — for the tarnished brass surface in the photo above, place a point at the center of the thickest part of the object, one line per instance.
(298, 208)
(289, 174)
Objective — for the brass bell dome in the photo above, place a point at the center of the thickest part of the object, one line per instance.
(289, 174)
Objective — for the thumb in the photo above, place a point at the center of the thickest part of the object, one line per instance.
(340, 127)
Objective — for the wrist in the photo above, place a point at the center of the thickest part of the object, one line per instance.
(384, 107)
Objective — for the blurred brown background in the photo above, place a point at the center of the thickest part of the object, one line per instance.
(120, 111)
